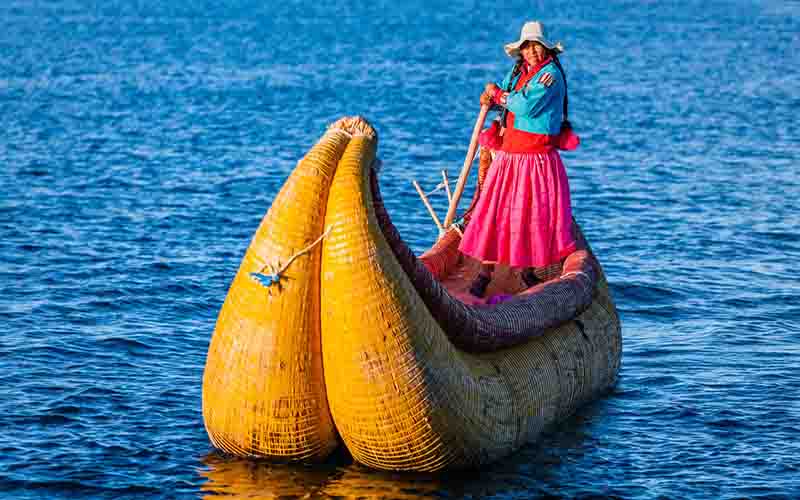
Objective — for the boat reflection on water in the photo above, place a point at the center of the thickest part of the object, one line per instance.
(535, 471)
(239, 478)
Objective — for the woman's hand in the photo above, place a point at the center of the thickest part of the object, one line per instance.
(488, 94)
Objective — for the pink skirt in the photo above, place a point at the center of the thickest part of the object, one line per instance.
(523, 217)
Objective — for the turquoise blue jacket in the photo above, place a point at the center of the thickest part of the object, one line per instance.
(537, 109)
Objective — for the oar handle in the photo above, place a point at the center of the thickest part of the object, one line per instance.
(462, 179)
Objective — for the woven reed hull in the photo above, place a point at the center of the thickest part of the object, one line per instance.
(263, 388)
(395, 387)
(402, 396)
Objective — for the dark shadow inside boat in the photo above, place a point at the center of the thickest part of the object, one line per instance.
(441, 276)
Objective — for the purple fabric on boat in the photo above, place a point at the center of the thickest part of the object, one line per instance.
(496, 299)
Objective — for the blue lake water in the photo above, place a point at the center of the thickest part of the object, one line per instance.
(142, 142)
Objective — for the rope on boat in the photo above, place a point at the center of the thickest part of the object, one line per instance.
(438, 187)
(458, 226)
(276, 270)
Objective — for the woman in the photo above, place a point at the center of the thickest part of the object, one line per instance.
(523, 217)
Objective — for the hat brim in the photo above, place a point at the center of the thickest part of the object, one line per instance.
(512, 49)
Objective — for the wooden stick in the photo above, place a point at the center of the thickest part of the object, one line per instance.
(462, 179)
(428, 206)
(447, 186)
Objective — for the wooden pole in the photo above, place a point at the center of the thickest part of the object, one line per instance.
(429, 207)
(447, 186)
(462, 179)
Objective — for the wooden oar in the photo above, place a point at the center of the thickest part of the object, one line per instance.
(462, 180)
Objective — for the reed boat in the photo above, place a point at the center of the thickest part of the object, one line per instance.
(334, 332)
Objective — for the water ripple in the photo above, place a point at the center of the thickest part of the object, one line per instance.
(143, 142)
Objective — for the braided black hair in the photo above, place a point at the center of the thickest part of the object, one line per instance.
(565, 123)
(516, 71)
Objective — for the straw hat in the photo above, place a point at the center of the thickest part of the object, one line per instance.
(532, 31)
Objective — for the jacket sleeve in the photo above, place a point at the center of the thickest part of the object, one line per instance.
(534, 97)
(506, 81)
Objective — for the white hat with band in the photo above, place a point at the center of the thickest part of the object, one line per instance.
(532, 31)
